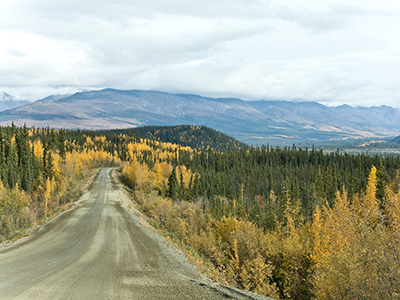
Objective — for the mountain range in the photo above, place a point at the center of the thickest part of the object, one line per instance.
(7, 102)
(254, 122)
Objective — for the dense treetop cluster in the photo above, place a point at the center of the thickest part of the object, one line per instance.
(281, 221)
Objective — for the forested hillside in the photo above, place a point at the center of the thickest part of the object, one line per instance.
(196, 137)
(41, 174)
(283, 222)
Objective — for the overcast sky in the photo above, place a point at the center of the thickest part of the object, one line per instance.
(333, 52)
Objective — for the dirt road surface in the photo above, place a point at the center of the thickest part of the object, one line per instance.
(98, 250)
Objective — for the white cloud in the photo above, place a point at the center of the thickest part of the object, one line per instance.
(328, 51)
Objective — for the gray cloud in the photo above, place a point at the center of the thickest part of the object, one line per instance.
(330, 51)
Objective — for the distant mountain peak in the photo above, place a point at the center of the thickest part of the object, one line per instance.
(396, 140)
(257, 122)
(6, 97)
(8, 101)
(345, 106)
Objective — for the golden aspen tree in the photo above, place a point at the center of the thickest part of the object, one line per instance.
(129, 171)
(320, 239)
(356, 205)
(255, 277)
(56, 166)
(370, 205)
(143, 180)
(225, 227)
(138, 175)
(88, 145)
(342, 243)
(14, 211)
(395, 184)
(393, 209)
(161, 172)
(186, 175)
(130, 148)
(38, 149)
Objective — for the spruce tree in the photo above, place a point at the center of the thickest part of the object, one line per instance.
(319, 188)
(61, 144)
(181, 192)
(196, 187)
(381, 181)
(255, 214)
(49, 165)
(13, 174)
(173, 185)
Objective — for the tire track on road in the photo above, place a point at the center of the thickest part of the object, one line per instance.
(98, 250)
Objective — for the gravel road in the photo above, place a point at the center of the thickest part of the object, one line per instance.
(98, 250)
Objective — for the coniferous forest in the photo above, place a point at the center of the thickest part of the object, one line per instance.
(289, 223)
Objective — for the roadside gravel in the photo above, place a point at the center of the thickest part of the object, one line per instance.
(99, 250)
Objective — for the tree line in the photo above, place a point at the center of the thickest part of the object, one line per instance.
(41, 173)
(283, 222)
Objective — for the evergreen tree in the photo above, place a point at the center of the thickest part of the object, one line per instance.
(284, 204)
(49, 166)
(44, 157)
(13, 170)
(295, 189)
(270, 212)
(61, 144)
(196, 187)
(173, 185)
(381, 182)
(319, 188)
(255, 214)
(181, 191)
(189, 192)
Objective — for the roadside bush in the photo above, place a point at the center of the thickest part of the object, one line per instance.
(15, 215)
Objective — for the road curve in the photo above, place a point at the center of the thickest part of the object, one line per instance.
(98, 250)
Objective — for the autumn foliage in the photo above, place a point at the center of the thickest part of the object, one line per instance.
(286, 223)
(41, 174)
(348, 249)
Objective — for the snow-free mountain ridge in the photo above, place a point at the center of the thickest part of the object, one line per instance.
(257, 122)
